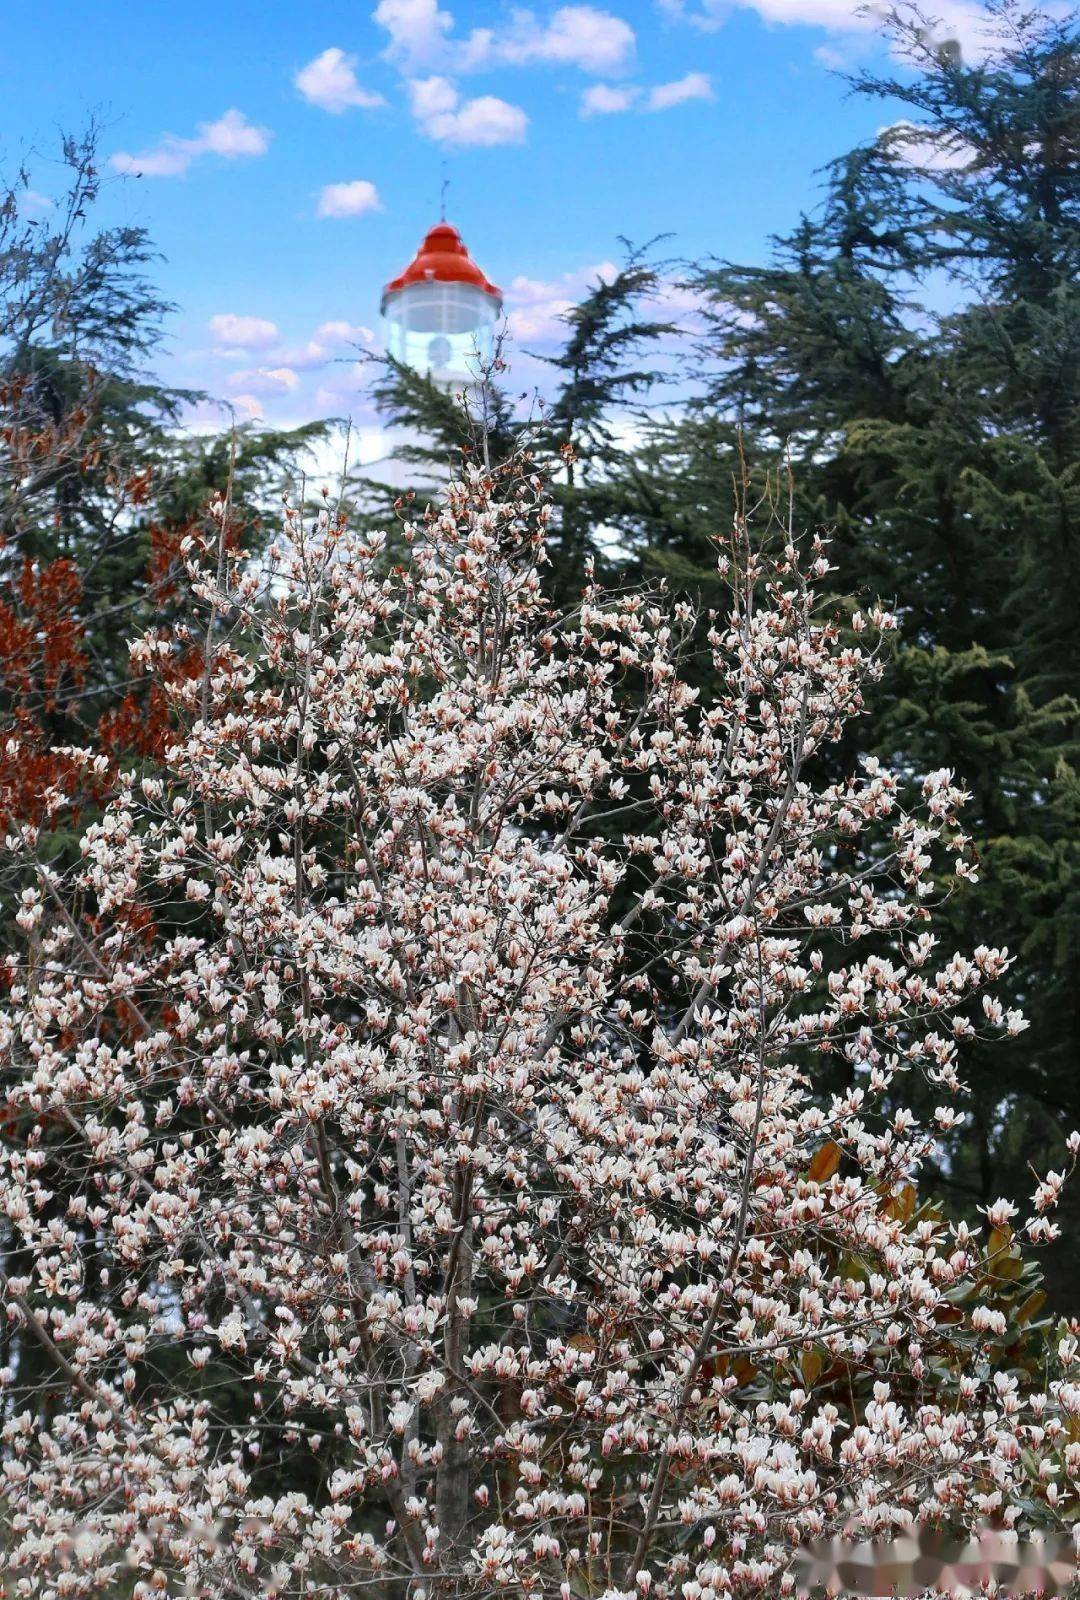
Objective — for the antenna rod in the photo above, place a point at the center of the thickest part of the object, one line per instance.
(445, 186)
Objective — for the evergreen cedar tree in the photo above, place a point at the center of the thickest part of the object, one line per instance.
(413, 1080)
(97, 486)
(941, 451)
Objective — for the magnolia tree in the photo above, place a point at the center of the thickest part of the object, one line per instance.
(416, 1171)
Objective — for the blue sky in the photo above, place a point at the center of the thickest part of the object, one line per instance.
(287, 158)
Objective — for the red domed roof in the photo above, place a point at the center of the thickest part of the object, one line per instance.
(443, 257)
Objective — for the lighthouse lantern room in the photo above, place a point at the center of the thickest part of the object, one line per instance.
(440, 313)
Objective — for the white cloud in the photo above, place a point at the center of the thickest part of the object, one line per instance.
(535, 308)
(577, 36)
(327, 338)
(244, 333)
(346, 397)
(350, 199)
(230, 136)
(678, 300)
(830, 57)
(541, 322)
(265, 380)
(964, 22)
(164, 162)
(422, 38)
(486, 120)
(604, 99)
(442, 115)
(432, 97)
(695, 86)
(330, 83)
(248, 403)
(926, 150)
(417, 29)
(344, 333)
(708, 15)
(331, 341)
(33, 204)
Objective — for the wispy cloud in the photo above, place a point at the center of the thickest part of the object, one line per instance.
(606, 99)
(278, 379)
(259, 337)
(330, 341)
(536, 307)
(927, 149)
(243, 333)
(231, 136)
(33, 204)
(352, 199)
(265, 381)
(963, 22)
(330, 82)
(695, 86)
(442, 115)
(249, 404)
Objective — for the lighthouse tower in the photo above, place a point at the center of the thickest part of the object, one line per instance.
(440, 313)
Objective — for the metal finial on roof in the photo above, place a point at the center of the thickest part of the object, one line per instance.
(442, 192)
